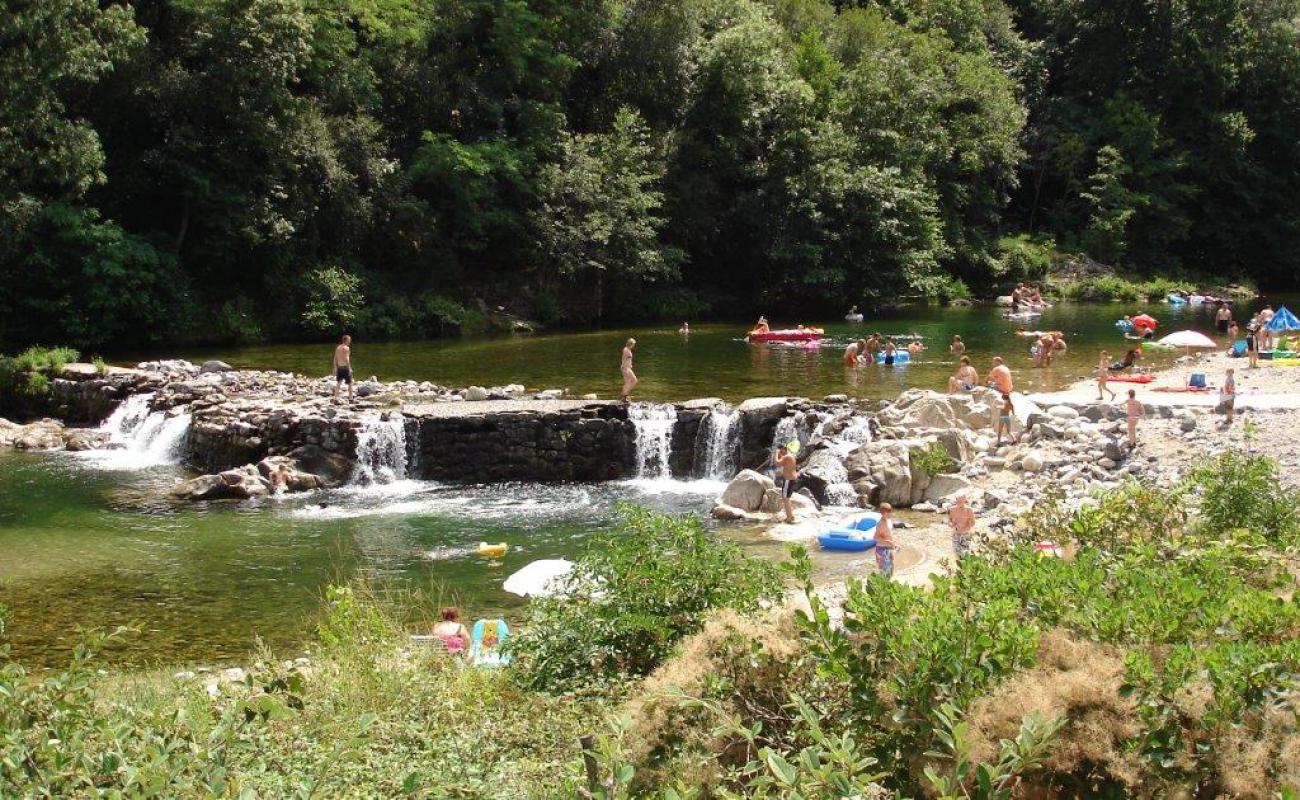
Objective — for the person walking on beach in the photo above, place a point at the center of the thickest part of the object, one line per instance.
(1000, 376)
(1004, 418)
(1252, 346)
(1228, 397)
(1103, 371)
(962, 519)
(1132, 413)
(343, 366)
(787, 464)
(629, 377)
(1222, 317)
(885, 544)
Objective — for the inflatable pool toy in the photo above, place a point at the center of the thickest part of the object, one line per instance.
(900, 357)
(805, 335)
(1023, 315)
(853, 317)
(1049, 549)
(1131, 379)
(1286, 362)
(485, 643)
(1124, 325)
(1176, 300)
(492, 550)
(854, 537)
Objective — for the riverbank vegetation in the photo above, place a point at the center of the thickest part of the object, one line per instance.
(245, 169)
(1159, 658)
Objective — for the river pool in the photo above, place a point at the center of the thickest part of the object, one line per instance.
(92, 543)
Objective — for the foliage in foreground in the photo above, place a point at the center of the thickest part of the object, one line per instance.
(363, 720)
(1163, 658)
(634, 594)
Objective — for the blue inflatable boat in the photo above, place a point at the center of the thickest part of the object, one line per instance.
(854, 537)
(900, 357)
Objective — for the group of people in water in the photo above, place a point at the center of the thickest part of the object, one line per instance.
(865, 351)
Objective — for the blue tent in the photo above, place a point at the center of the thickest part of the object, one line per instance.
(1283, 320)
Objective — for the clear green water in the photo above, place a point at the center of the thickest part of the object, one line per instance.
(714, 361)
(81, 545)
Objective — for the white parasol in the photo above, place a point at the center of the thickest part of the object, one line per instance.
(1188, 340)
(541, 578)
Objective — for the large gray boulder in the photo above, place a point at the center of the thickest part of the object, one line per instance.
(295, 480)
(331, 468)
(944, 487)
(79, 439)
(46, 434)
(882, 472)
(746, 491)
(210, 367)
(823, 470)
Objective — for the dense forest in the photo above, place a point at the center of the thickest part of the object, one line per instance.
(195, 170)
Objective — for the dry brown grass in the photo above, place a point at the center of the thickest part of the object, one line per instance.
(748, 665)
(1078, 681)
(1258, 758)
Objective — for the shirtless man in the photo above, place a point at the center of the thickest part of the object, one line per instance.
(962, 519)
(1000, 376)
(629, 377)
(885, 541)
(343, 366)
(786, 462)
(1043, 355)
(851, 353)
(958, 347)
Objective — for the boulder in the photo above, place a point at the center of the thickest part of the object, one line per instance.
(242, 483)
(476, 393)
(204, 487)
(331, 468)
(210, 367)
(836, 398)
(590, 396)
(1063, 412)
(943, 487)
(1032, 462)
(8, 430)
(701, 404)
(79, 439)
(1113, 450)
(822, 470)
(294, 481)
(1187, 424)
(46, 434)
(550, 394)
(368, 389)
(764, 406)
(881, 471)
(746, 491)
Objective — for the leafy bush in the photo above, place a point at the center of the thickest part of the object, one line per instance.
(332, 298)
(1024, 257)
(236, 321)
(933, 459)
(101, 366)
(1239, 491)
(23, 374)
(635, 592)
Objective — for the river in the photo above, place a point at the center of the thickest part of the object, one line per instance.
(88, 541)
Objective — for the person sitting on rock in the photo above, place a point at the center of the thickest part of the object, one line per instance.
(966, 378)
(280, 479)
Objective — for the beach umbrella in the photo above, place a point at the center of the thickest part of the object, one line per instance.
(541, 578)
(1283, 320)
(1188, 340)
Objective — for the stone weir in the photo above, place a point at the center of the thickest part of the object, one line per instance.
(245, 427)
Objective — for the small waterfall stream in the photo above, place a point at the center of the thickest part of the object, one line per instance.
(381, 450)
(654, 438)
(140, 437)
(716, 443)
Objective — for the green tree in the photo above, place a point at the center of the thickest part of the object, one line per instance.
(599, 219)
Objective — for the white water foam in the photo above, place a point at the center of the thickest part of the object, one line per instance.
(716, 443)
(654, 438)
(381, 451)
(140, 438)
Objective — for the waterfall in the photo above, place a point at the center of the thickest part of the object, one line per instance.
(140, 437)
(381, 450)
(654, 438)
(716, 443)
(788, 429)
(855, 433)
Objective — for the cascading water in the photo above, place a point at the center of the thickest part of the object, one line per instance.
(788, 429)
(855, 433)
(381, 450)
(140, 437)
(716, 443)
(654, 438)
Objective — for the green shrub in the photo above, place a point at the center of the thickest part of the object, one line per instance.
(101, 366)
(332, 297)
(236, 321)
(933, 459)
(635, 592)
(1025, 257)
(1238, 491)
(24, 374)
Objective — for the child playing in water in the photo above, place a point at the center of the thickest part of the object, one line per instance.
(1133, 411)
(885, 542)
(1004, 418)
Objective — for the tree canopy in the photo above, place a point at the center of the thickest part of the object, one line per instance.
(235, 169)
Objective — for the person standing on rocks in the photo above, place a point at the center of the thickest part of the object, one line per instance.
(1133, 412)
(788, 465)
(629, 377)
(885, 542)
(962, 519)
(1228, 397)
(1004, 418)
(343, 366)
(1103, 371)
